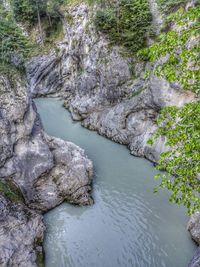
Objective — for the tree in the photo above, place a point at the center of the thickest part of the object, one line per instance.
(39, 22)
(28, 10)
(181, 128)
(126, 23)
(53, 10)
(12, 40)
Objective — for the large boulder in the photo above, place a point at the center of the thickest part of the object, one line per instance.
(194, 227)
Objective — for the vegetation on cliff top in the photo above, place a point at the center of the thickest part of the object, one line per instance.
(12, 39)
(16, 45)
(126, 23)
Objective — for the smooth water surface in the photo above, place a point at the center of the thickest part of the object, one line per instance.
(129, 225)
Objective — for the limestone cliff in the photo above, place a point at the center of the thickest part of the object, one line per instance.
(99, 87)
(105, 90)
(44, 170)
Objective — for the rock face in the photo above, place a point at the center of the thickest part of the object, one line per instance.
(195, 262)
(194, 227)
(105, 90)
(20, 236)
(100, 90)
(46, 171)
(108, 93)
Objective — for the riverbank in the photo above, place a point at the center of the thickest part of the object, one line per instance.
(105, 90)
(128, 225)
(37, 172)
(117, 95)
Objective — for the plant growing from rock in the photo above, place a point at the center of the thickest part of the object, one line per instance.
(126, 23)
(176, 54)
(181, 128)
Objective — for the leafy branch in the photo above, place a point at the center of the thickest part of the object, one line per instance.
(181, 128)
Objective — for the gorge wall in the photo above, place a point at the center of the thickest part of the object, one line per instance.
(38, 172)
(101, 87)
(107, 91)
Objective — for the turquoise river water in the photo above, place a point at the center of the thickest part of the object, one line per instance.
(129, 225)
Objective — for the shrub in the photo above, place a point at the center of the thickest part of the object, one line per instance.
(12, 41)
(126, 24)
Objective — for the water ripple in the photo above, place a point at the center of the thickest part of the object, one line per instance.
(128, 226)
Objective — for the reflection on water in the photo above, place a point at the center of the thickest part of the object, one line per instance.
(128, 226)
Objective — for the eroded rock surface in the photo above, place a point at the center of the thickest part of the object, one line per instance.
(99, 89)
(102, 88)
(21, 234)
(46, 170)
(194, 227)
(105, 90)
(195, 262)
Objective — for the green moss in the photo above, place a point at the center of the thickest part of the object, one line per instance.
(132, 70)
(136, 93)
(11, 191)
(66, 104)
(40, 259)
(69, 19)
(8, 69)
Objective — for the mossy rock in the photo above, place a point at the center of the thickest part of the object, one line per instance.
(11, 191)
(40, 259)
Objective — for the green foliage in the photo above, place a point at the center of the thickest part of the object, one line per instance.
(169, 6)
(106, 21)
(180, 50)
(12, 39)
(181, 128)
(13, 73)
(40, 259)
(126, 24)
(53, 8)
(54, 33)
(26, 10)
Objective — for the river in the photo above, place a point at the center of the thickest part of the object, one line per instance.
(129, 225)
